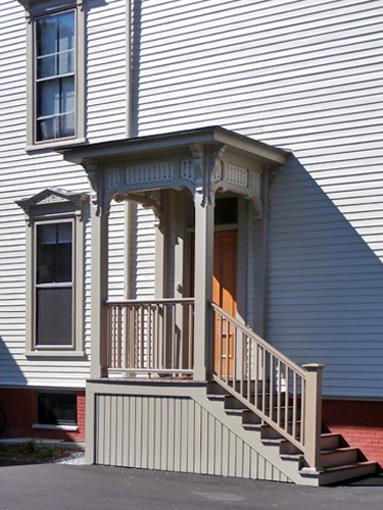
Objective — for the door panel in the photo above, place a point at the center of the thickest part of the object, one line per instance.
(225, 291)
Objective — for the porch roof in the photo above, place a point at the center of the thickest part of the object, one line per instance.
(177, 141)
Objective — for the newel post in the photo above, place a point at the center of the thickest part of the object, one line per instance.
(313, 414)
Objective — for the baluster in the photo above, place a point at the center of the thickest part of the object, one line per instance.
(271, 394)
(279, 368)
(227, 349)
(234, 357)
(164, 335)
(220, 333)
(287, 403)
(249, 370)
(264, 377)
(118, 361)
(294, 429)
(256, 366)
(173, 337)
(190, 336)
(243, 364)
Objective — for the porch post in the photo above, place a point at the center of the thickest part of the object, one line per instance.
(203, 283)
(313, 414)
(99, 291)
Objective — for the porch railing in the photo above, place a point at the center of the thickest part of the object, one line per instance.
(150, 336)
(282, 394)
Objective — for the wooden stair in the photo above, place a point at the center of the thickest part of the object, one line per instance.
(339, 461)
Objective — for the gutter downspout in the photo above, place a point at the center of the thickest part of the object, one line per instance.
(129, 73)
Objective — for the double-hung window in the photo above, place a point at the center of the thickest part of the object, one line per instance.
(55, 273)
(55, 88)
(56, 77)
(54, 283)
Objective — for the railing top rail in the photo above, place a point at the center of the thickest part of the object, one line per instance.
(163, 301)
(251, 334)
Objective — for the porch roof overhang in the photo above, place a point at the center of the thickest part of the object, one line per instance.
(151, 145)
(202, 160)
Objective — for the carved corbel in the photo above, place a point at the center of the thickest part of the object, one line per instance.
(96, 180)
(148, 200)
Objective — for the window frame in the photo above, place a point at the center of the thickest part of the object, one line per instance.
(38, 11)
(52, 207)
(70, 426)
(55, 285)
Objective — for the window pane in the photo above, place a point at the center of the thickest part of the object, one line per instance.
(46, 29)
(56, 409)
(54, 316)
(64, 234)
(66, 62)
(48, 129)
(46, 66)
(67, 95)
(54, 253)
(66, 31)
(48, 98)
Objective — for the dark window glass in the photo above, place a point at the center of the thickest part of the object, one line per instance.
(54, 316)
(55, 75)
(54, 284)
(56, 409)
(54, 253)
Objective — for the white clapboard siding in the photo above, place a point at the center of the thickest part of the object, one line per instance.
(21, 176)
(305, 76)
(142, 250)
(325, 295)
(106, 70)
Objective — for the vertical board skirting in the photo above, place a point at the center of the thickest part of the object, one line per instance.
(173, 434)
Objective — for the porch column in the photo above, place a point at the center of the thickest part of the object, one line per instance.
(203, 284)
(99, 291)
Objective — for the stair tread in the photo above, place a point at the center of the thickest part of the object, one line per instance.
(350, 467)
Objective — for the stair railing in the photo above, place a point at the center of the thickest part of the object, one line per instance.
(282, 394)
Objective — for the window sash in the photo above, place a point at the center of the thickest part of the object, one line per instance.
(55, 76)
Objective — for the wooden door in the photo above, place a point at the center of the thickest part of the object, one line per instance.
(225, 291)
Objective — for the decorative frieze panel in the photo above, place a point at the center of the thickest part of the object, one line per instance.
(149, 173)
(255, 182)
(237, 175)
(187, 170)
(112, 179)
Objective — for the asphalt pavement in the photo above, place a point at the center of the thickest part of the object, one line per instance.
(83, 487)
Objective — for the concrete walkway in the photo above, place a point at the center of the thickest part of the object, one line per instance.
(66, 487)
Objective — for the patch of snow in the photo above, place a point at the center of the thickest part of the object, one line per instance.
(76, 459)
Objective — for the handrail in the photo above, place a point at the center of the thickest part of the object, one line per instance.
(246, 330)
(122, 302)
(282, 394)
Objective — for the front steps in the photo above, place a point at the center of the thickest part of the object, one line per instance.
(339, 462)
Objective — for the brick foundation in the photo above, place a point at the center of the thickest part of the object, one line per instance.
(360, 423)
(19, 406)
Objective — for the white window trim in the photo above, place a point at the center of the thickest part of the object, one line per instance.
(39, 9)
(36, 215)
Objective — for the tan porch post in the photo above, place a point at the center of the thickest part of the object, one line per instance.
(203, 283)
(99, 291)
(313, 414)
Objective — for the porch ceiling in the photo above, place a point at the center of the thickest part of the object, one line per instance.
(155, 145)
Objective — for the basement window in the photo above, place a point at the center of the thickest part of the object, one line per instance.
(57, 409)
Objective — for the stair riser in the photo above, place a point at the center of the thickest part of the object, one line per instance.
(339, 458)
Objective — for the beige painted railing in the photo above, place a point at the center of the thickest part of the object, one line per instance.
(281, 393)
(151, 336)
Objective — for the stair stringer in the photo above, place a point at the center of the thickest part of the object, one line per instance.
(249, 457)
